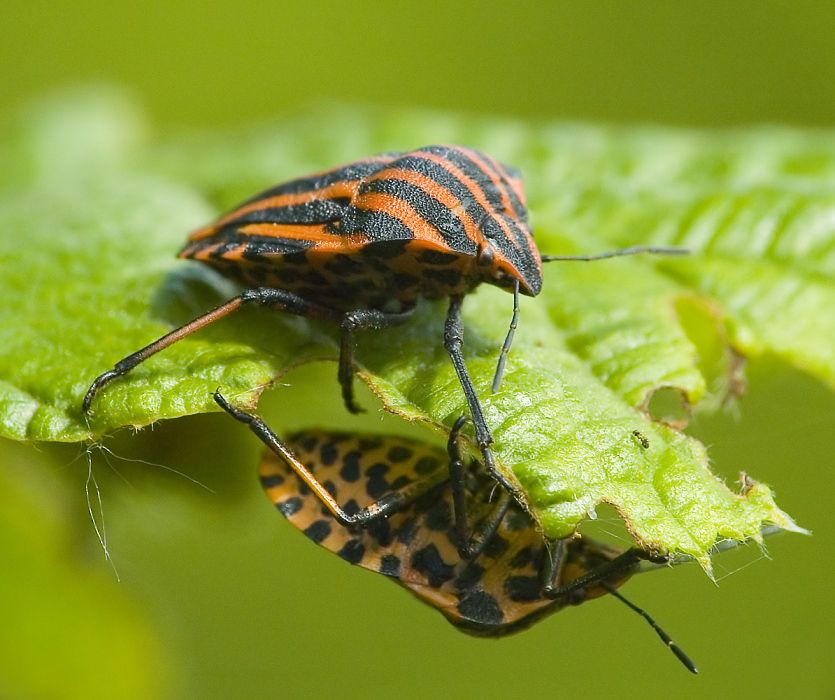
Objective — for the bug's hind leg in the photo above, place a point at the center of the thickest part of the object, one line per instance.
(390, 503)
(360, 320)
(471, 543)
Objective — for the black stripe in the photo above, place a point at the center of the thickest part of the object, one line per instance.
(265, 245)
(316, 211)
(440, 217)
(351, 172)
(492, 193)
(486, 221)
(376, 225)
(495, 167)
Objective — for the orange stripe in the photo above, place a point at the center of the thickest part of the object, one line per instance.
(516, 184)
(318, 234)
(402, 211)
(434, 189)
(487, 170)
(474, 190)
(336, 190)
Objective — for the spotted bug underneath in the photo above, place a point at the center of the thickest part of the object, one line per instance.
(497, 592)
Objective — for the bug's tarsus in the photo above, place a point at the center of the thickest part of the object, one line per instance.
(262, 296)
(673, 647)
(552, 566)
(390, 503)
(514, 322)
(632, 250)
(361, 320)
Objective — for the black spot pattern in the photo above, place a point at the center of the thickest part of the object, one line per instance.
(289, 507)
(523, 558)
(400, 482)
(407, 531)
(470, 577)
(308, 443)
(350, 471)
(523, 589)
(318, 531)
(436, 257)
(516, 520)
(439, 517)
(353, 551)
(390, 565)
(427, 465)
(482, 608)
(445, 276)
(270, 480)
(328, 453)
(380, 530)
(377, 484)
(495, 547)
(399, 453)
(428, 562)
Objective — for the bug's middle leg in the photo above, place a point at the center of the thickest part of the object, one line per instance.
(360, 320)
(388, 504)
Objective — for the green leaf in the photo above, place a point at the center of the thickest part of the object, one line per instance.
(92, 277)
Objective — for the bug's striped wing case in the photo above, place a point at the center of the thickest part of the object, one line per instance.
(397, 226)
(497, 593)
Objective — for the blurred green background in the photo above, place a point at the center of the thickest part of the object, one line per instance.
(218, 597)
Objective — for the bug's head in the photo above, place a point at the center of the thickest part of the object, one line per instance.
(507, 252)
(506, 259)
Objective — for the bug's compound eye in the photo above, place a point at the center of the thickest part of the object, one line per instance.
(486, 255)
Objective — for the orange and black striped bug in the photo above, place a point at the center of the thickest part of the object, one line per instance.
(360, 244)
(508, 586)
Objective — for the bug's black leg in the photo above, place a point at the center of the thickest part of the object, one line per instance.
(629, 559)
(453, 342)
(390, 503)
(360, 320)
(508, 341)
(666, 638)
(552, 566)
(264, 296)
(470, 544)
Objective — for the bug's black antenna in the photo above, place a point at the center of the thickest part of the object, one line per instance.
(673, 647)
(633, 250)
(514, 322)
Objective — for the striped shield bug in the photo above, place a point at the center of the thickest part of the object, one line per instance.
(507, 586)
(361, 244)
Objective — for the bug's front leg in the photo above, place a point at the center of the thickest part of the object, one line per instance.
(454, 342)
(388, 504)
(360, 320)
